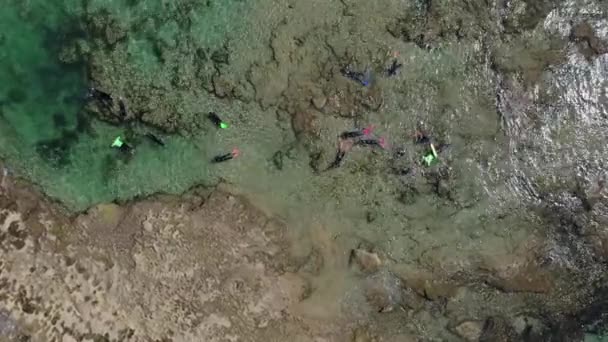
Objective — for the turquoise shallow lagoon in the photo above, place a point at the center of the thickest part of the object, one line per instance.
(48, 136)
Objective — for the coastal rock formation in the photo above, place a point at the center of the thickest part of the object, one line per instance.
(502, 239)
(159, 269)
(211, 264)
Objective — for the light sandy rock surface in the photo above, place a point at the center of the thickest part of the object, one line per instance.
(213, 269)
(211, 266)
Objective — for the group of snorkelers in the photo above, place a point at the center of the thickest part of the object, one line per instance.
(346, 140)
(118, 109)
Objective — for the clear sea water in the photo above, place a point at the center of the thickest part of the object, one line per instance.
(496, 166)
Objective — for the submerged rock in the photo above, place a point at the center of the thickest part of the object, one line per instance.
(304, 122)
(385, 292)
(469, 330)
(497, 329)
(319, 102)
(361, 335)
(368, 262)
(590, 44)
(526, 279)
(427, 285)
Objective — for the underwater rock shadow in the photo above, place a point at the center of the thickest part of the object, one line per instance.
(57, 151)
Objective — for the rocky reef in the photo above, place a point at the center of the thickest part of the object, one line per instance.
(210, 265)
(504, 239)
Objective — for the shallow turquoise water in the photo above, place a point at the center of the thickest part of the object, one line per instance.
(595, 338)
(47, 136)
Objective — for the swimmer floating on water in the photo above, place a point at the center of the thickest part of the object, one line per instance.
(357, 133)
(344, 146)
(100, 96)
(122, 108)
(362, 78)
(217, 121)
(367, 138)
(122, 146)
(155, 139)
(420, 137)
(432, 154)
(227, 156)
(378, 142)
(392, 70)
(347, 139)
(431, 157)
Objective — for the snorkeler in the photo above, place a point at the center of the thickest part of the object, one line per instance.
(155, 139)
(357, 133)
(420, 137)
(337, 160)
(432, 153)
(122, 146)
(430, 157)
(364, 137)
(101, 96)
(217, 121)
(377, 142)
(227, 156)
(122, 108)
(351, 134)
(360, 77)
(347, 139)
(392, 70)
(344, 145)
